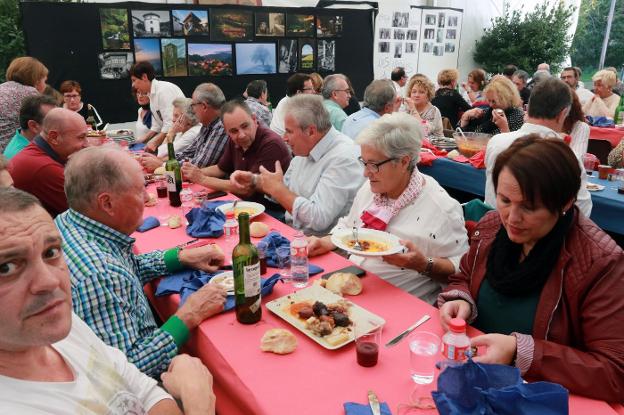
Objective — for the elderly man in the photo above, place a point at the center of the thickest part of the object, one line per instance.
(323, 177)
(208, 147)
(380, 98)
(32, 112)
(336, 94)
(38, 168)
(520, 79)
(299, 83)
(251, 145)
(257, 95)
(571, 77)
(549, 106)
(5, 177)
(161, 94)
(106, 193)
(543, 67)
(50, 361)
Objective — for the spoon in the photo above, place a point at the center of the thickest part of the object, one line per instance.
(357, 246)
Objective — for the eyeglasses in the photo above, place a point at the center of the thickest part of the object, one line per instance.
(348, 91)
(72, 96)
(372, 166)
(142, 94)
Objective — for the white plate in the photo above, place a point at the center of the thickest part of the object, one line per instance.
(593, 187)
(357, 314)
(257, 207)
(120, 133)
(225, 279)
(342, 237)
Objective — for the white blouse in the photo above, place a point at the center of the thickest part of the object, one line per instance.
(580, 139)
(181, 141)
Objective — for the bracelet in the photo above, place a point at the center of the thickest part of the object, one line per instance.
(428, 268)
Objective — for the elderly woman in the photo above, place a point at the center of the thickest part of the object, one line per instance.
(185, 126)
(474, 86)
(543, 280)
(25, 76)
(447, 99)
(400, 200)
(604, 102)
(72, 98)
(144, 118)
(420, 91)
(505, 113)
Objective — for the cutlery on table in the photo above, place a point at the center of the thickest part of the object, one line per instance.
(411, 328)
(357, 246)
(374, 403)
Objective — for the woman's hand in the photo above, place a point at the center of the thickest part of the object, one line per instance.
(411, 106)
(319, 246)
(471, 114)
(452, 309)
(500, 119)
(501, 349)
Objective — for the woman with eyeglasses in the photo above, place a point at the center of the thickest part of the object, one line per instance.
(72, 98)
(144, 119)
(400, 200)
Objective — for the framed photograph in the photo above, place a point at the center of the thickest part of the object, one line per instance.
(328, 26)
(255, 58)
(430, 19)
(429, 33)
(384, 33)
(449, 47)
(114, 25)
(307, 54)
(148, 50)
(427, 47)
(326, 55)
(384, 47)
(400, 19)
(115, 65)
(210, 59)
(270, 24)
(441, 19)
(190, 22)
(411, 47)
(451, 33)
(452, 21)
(399, 34)
(440, 36)
(173, 52)
(398, 50)
(151, 23)
(299, 24)
(438, 50)
(412, 35)
(227, 25)
(287, 59)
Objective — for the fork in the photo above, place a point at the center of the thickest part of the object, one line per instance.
(357, 246)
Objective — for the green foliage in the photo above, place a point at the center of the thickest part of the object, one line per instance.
(590, 31)
(11, 36)
(526, 40)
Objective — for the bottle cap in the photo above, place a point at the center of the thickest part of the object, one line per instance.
(229, 215)
(457, 325)
(186, 185)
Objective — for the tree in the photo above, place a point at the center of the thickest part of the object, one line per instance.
(526, 40)
(11, 36)
(260, 55)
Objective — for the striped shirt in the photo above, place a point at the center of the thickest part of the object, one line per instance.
(107, 290)
(208, 147)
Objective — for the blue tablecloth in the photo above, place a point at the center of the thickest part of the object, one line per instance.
(608, 204)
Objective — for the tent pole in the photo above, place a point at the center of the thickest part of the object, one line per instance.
(605, 42)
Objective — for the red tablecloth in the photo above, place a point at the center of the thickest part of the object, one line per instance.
(614, 135)
(312, 380)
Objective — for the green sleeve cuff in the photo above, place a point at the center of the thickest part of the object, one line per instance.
(177, 329)
(172, 262)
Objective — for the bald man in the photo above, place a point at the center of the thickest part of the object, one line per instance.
(39, 168)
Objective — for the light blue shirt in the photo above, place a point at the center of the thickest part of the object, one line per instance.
(325, 182)
(357, 121)
(337, 116)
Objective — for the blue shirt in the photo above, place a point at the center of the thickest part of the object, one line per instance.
(337, 116)
(357, 121)
(17, 144)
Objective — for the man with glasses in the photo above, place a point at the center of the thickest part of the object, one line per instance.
(299, 83)
(32, 112)
(336, 94)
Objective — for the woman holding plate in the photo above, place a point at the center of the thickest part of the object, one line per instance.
(400, 200)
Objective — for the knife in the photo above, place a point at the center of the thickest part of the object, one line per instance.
(374, 403)
(408, 331)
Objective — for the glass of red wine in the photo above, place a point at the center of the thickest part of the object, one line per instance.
(367, 342)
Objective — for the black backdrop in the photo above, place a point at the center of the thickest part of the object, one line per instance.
(66, 38)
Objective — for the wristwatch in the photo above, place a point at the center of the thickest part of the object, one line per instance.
(428, 268)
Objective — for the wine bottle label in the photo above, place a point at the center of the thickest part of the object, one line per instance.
(171, 182)
(251, 276)
(255, 306)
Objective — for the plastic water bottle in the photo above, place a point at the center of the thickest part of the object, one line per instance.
(230, 227)
(299, 260)
(186, 195)
(425, 127)
(455, 344)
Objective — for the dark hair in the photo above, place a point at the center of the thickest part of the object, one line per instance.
(509, 70)
(232, 104)
(478, 76)
(144, 67)
(520, 74)
(397, 73)
(69, 86)
(31, 109)
(529, 158)
(576, 113)
(256, 88)
(13, 200)
(548, 98)
(295, 83)
(573, 69)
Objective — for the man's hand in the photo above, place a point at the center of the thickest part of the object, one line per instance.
(150, 162)
(151, 146)
(412, 259)
(453, 309)
(242, 180)
(204, 303)
(501, 348)
(208, 258)
(189, 380)
(319, 246)
(192, 173)
(272, 182)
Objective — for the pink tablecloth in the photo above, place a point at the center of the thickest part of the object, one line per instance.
(312, 380)
(613, 135)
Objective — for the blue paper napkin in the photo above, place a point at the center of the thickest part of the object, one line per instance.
(136, 146)
(600, 121)
(149, 222)
(352, 408)
(206, 221)
(275, 240)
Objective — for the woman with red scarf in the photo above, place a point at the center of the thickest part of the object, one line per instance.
(400, 200)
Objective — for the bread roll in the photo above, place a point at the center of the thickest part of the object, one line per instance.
(278, 341)
(151, 200)
(160, 170)
(174, 222)
(258, 229)
(344, 283)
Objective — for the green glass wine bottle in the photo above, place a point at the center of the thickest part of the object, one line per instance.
(247, 285)
(174, 177)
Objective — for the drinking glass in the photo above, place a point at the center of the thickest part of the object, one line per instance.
(423, 348)
(367, 342)
(283, 261)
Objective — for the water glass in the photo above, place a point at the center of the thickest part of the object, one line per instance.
(423, 348)
(283, 261)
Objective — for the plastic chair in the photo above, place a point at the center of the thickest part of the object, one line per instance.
(600, 148)
(474, 210)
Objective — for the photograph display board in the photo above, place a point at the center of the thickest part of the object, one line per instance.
(439, 43)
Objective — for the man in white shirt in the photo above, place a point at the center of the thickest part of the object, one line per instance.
(50, 361)
(299, 83)
(549, 105)
(324, 175)
(399, 79)
(161, 94)
(571, 77)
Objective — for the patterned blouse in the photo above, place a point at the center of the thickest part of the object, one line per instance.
(515, 119)
(11, 96)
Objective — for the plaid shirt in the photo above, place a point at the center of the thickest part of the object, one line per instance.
(262, 112)
(208, 147)
(107, 290)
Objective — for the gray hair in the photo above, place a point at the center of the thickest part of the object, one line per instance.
(210, 94)
(540, 76)
(309, 110)
(13, 200)
(395, 135)
(378, 94)
(330, 84)
(184, 105)
(522, 75)
(94, 170)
